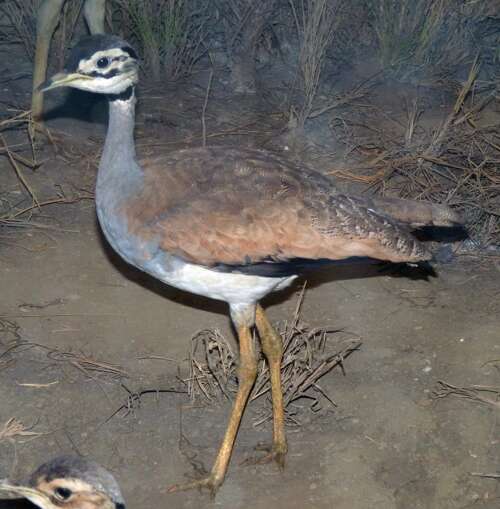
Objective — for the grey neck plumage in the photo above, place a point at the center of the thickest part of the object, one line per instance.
(118, 168)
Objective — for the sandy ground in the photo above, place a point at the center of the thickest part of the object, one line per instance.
(386, 445)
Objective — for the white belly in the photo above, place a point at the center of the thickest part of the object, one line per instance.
(232, 288)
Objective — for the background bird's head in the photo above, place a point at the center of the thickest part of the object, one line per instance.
(69, 482)
(104, 64)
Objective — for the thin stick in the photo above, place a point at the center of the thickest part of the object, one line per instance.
(489, 476)
(18, 172)
(52, 201)
(435, 146)
(203, 124)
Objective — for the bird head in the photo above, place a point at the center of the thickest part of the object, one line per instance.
(69, 482)
(104, 64)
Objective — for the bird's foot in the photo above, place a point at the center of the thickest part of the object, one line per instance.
(275, 452)
(212, 483)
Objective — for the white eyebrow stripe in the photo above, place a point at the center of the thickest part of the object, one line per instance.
(88, 65)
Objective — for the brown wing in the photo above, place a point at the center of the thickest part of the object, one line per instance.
(231, 206)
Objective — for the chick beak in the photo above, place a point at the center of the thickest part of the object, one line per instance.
(38, 498)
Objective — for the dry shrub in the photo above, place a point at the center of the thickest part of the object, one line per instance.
(309, 354)
(172, 34)
(455, 163)
(316, 22)
(434, 36)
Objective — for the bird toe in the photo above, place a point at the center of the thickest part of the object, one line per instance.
(272, 453)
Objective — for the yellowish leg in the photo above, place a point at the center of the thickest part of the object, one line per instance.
(47, 20)
(95, 12)
(272, 346)
(247, 375)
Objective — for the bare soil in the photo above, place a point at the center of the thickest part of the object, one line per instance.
(387, 444)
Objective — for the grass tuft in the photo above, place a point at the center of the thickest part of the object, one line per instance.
(172, 34)
(432, 36)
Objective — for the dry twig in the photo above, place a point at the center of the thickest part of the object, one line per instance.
(473, 393)
(13, 428)
(308, 356)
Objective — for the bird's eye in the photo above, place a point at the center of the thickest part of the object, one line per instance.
(103, 62)
(63, 493)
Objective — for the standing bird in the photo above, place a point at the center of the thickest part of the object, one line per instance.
(232, 224)
(68, 482)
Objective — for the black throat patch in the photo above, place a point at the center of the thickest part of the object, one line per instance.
(123, 96)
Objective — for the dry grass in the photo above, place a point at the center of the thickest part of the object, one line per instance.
(13, 429)
(434, 37)
(23, 217)
(85, 364)
(456, 163)
(22, 17)
(485, 394)
(172, 35)
(22, 156)
(316, 22)
(20, 121)
(134, 399)
(309, 354)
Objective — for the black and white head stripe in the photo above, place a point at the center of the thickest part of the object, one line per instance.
(81, 470)
(98, 45)
(106, 63)
(102, 64)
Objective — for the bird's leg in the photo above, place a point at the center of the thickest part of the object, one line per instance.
(47, 20)
(247, 375)
(272, 346)
(94, 12)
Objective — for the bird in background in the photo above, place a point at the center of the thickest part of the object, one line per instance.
(229, 223)
(68, 482)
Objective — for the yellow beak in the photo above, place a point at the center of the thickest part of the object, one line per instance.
(61, 79)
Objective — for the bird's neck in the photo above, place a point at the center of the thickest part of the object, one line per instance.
(120, 177)
(118, 161)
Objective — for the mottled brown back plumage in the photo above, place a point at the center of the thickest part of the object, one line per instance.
(240, 206)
